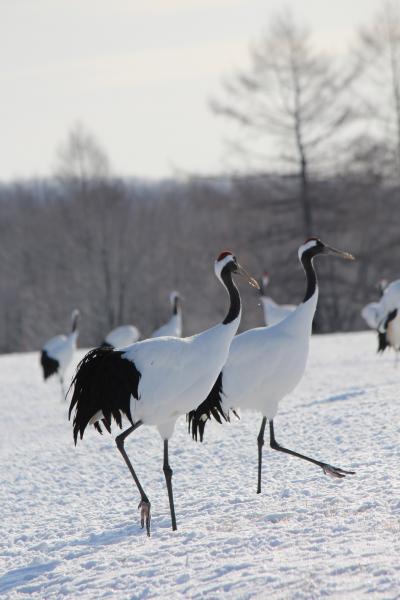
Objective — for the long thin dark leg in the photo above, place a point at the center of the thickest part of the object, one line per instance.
(260, 444)
(327, 469)
(168, 479)
(144, 503)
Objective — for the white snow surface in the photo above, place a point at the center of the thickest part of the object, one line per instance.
(69, 520)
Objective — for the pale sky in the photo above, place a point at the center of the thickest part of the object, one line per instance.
(137, 73)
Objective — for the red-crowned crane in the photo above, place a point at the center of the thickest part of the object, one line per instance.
(155, 381)
(266, 364)
(389, 318)
(122, 336)
(57, 353)
(174, 325)
(373, 314)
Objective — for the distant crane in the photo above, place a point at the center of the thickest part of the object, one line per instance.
(154, 381)
(389, 318)
(273, 312)
(174, 325)
(57, 353)
(384, 316)
(266, 364)
(122, 336)
(371, 312)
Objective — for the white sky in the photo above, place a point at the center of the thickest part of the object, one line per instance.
(137, 73)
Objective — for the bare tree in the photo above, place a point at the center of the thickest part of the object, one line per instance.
(292, 105)
(98, 217)
(81, 162)
(379, 52)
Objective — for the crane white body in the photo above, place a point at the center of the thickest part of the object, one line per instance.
(389, 318)
(390, 299)
(267, 363)
(58, 352)
(384, 317)
(371, 313)
(154, 381)
(173, 327)
(122, 336)
(393, 332)
(273, 312)
(177, 373)
(61, 348)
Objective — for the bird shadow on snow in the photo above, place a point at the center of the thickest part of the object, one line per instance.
(111, 536)
(350, 394)
(23, 575)
(337, 398)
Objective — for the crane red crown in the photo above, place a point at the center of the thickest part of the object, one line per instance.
(224, 254)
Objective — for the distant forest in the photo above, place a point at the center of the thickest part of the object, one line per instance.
(115, 248)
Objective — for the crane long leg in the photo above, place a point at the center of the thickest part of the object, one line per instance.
(327, 469)
(260, 444)
(168, 479)
(144, 503)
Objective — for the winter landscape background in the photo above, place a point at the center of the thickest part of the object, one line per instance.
(312, 147)
(114, 191)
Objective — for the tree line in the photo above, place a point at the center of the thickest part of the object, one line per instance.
(316, 152)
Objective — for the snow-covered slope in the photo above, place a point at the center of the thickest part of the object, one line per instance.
(69, 519)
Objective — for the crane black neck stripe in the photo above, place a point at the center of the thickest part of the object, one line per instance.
(306, 261)
(75, 324)
(235, 304)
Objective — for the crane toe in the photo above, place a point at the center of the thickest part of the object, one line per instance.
(336, 471)
(145, 517)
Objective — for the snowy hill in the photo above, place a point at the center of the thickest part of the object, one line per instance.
(70, 525)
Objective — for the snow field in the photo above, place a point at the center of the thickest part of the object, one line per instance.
(70, 524)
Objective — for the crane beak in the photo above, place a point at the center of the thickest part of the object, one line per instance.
(253, 282)
(345, 255)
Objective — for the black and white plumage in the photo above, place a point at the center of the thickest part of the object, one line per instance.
(371, 313)
(273, 312)
(388, 320)
(155, 381)
(267, 363)
(384, 316)
(57, 353)
(389, 333)
(174, 325)
(121, 336)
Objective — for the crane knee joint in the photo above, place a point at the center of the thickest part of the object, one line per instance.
(167, 470)
(119, 440)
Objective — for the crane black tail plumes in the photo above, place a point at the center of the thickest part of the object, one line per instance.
(49, 364)
(103, 383)
(212, 406)
(382, 339)
(382, 342)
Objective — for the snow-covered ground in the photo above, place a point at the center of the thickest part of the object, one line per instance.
(69, 519)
